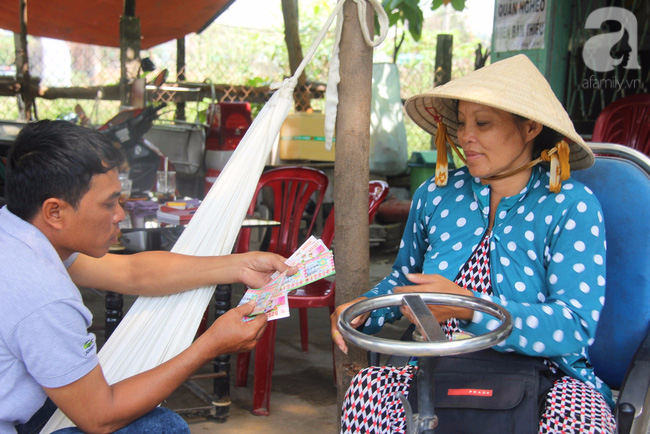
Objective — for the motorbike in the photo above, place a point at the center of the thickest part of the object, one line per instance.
(144, 158)
(127, 130)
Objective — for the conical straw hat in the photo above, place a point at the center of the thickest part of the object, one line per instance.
(514, 85)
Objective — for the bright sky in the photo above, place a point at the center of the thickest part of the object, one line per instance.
(253, 14)
(480, 14)
(268, 13)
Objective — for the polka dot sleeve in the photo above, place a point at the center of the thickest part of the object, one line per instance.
(562, 320)
(409, 259)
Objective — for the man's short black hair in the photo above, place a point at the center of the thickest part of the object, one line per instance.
(55, 159)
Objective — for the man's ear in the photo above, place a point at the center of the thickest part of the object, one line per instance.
(53, 212)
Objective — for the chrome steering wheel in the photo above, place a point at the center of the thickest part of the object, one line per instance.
(434, 342)
(431, 344)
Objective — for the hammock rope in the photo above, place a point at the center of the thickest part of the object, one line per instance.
(333, 79)
(156, 329)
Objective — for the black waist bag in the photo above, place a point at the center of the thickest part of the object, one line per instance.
(488, 391)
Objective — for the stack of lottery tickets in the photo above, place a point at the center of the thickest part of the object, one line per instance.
(314, 261)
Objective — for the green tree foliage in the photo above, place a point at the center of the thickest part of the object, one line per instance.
(459, 5)
(407, 14)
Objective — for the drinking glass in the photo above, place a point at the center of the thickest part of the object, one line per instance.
(165, 185)
(125, 192)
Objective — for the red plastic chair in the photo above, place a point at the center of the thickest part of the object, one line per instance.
(626, 121)
(317, 294)
(292, 189)
(321, 292)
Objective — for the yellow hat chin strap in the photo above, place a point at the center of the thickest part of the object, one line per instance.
(442, 166)
(560, 169)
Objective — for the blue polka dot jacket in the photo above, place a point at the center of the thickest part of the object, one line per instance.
(547, 262)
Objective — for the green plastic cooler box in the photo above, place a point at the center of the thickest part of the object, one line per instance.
(422, 166)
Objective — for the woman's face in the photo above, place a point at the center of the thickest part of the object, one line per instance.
(494, 141)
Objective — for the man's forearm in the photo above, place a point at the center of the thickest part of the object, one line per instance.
(153, 273)
(162, 273)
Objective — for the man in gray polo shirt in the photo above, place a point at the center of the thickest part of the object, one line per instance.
(61, 217)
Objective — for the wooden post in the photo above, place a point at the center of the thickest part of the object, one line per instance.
(444, 46)
(129, 49)
(442, 74)
(22, 65)
(351, 175)
(180, 74)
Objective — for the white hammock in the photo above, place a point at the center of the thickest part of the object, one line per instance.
(156, 329)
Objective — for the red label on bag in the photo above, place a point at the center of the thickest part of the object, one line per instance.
(469, 392)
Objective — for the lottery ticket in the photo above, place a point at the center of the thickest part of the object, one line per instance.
(280, 308)
(310, 271)
(310, 249)
(265, 298)
(313, 260)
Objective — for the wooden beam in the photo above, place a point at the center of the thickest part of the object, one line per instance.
(225, 92)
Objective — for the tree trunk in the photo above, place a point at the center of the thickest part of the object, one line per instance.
(351, 174)
(292, 39)
(22, 65)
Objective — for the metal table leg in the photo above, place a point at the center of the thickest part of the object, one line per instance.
(114, 303)
(221, 384)
(218, 401)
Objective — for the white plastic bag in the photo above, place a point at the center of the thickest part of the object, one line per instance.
(388, 146)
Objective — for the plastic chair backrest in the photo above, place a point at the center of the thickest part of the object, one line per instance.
(621, 182)
(377, 192)
(292, 189)
(625, 121)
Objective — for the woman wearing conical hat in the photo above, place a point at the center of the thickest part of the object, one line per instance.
(511, 226)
